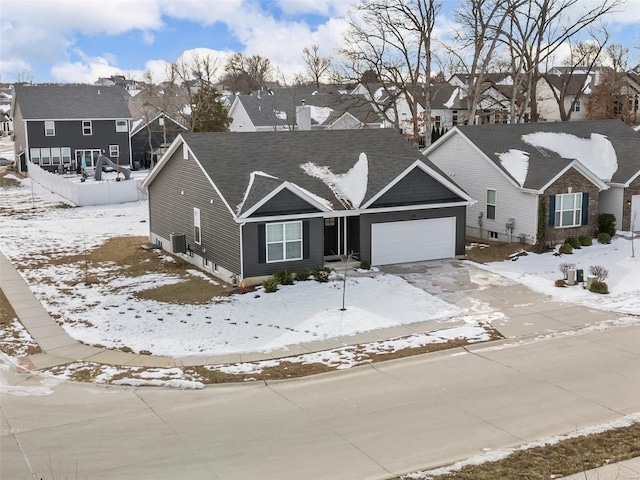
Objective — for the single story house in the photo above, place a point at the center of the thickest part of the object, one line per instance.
(245, 205)
(552, 176)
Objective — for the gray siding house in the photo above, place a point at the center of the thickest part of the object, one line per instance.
(245, 205)
(56, 125)
(575, 169)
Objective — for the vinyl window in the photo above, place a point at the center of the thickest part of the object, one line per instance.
(114, 150)
(568, 210)
(197, 232)
(66, 155)
(45, 156)
(55, 156)
(121, 126)
(284, 241)
(491, 204)
(35, 155)
(50, 128)
(87, 127)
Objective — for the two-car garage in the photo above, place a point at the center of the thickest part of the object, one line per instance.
(413, 240)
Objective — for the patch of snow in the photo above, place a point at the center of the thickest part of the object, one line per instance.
(252, 178)
(280, 114)
(596, 153)
(320, 114)
(350, 187)
(452, 99)
(516, 162)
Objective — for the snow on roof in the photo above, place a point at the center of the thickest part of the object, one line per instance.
(317, 198)
(350, 187)
(454, 94)
(252, 177)
(280, 114)
(595, 153)
(516, 162)
(320, 114)
(587, 86)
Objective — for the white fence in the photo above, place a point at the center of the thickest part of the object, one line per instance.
(105, 192)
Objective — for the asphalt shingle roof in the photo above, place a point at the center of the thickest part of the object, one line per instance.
(60, 102)
(495, 139)
(229, 158)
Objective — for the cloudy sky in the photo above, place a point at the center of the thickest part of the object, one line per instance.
(81, 40)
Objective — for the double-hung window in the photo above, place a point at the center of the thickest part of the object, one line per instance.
(49, 128)
(114, 151)
(568, 210)
(45, 155)
(55, 156)
(35, 155)
(197, 232)
(491, 204)
(66, 155)
(121, 126)
(284, 241)
(87, 127)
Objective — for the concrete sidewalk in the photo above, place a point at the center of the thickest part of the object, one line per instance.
(627, 470)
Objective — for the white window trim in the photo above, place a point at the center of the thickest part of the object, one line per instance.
(54, 151)
(494, 204)
(121, 126)
(66, 159)
(283, 242)
(87, 124)
(197, 229)
(42, 157)
(52, 129)
(114, 151)
(560, 210)
(31, 156)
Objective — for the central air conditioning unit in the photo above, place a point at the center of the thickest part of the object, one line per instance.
(178, 243)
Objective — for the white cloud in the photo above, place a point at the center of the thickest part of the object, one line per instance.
(148, 37)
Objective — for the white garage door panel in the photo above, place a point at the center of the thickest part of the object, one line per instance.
(635, 213)
(413, 240)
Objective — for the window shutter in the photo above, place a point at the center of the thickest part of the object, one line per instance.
(552, 210)
(585, 208)
(305, 239)
(262, 244)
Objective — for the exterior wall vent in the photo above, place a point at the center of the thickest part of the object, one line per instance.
(178, 243)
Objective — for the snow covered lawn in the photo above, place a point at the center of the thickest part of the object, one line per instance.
(539, 272)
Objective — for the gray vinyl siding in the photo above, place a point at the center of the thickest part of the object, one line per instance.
(68, 133)
(366, 220)
(282, 203)
(475, 174)
(251, 245)
(612, 201)
(417, 187)
(170, 211)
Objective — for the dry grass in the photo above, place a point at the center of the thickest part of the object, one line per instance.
(8, 182)
(493, 252)
(553, 461)
(11, 342)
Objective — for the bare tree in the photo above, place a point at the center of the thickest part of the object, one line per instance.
(317, 66)
(392, 39)
(246, 74)
(538, 28)
(575, 81)
(23, 76)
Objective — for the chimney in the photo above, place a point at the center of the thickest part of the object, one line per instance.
(303, 117)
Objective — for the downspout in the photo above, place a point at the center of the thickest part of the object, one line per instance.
(241, 274)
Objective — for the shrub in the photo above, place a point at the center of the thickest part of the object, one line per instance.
(600, 272)
(303, 274)
(607, 223)
(283, 277)
(270, 285)
(365, 265)
(574, 242)
(585, 240)
(565, 267)
(322, 274)
(604, 238)
(599, 287)
(560, 283)
(565, 248)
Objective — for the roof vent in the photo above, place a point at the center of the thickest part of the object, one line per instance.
(98, 92)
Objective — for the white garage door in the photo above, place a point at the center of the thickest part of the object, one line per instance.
(635, 213)
(413, 240)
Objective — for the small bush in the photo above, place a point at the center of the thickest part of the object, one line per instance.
(270, 285)
(599, 287)
(560, 283)
(321, 274)
(574, 242)
(364, 265)
(600, 272)
(283, 277)
(607, 224)
(303, 274)
(566, 248)
(585, 240)
(604, 238)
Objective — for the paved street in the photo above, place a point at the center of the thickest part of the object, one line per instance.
(369, 422)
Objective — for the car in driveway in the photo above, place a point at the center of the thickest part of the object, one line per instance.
(4, 162)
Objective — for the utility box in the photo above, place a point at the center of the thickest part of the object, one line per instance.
(579, 275)
(571, 276)
(590, 280)
(178, 243)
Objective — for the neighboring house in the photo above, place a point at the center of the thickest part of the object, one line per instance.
(576, 169)
(245, 205)
(6, 122)
(448, 106)
(572, 88)
(149, 140)
(284, 112)
(56, 125)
